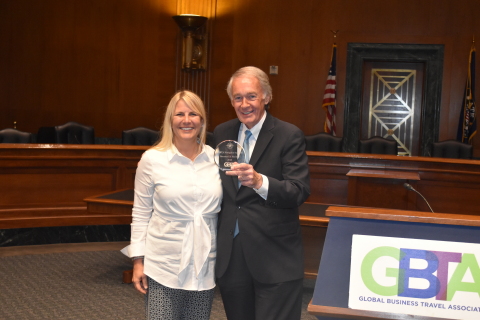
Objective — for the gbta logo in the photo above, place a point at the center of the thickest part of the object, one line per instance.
(436, 261)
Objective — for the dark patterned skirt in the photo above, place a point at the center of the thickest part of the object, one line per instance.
(163, 303)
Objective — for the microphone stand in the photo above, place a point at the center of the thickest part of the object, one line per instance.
(409, 187)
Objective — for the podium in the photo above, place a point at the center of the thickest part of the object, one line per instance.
(331, 295)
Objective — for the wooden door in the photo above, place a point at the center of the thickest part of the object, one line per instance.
(392, 103)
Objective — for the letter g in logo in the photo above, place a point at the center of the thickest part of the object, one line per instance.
(367, 268)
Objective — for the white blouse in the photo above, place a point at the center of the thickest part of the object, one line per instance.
(174, 218)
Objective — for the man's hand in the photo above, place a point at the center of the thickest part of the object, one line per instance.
(246, 175)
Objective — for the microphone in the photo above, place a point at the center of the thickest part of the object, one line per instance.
(409, 187)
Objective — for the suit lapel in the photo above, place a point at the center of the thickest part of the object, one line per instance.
(263, 139)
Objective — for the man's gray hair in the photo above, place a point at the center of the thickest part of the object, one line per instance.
(252, 72)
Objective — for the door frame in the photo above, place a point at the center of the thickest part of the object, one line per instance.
(430, 54)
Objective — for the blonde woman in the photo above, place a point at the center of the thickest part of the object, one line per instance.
(178, 194)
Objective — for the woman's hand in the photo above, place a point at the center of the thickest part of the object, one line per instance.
(139, 279)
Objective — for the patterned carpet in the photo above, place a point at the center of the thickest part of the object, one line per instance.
(79, 285)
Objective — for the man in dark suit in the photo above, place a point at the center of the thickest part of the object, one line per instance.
(259, 264)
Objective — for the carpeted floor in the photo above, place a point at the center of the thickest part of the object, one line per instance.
(79, 285)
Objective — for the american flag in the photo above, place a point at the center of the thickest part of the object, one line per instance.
(467, 126)
(329, 96)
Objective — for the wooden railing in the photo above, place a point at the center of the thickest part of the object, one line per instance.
(45, 185)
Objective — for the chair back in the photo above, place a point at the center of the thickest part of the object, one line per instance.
(324, 142)
(378, 145)
(452, 149)
(15, 136)
(140, 136)
(74, 133)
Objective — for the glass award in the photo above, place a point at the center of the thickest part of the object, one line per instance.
(228, 152)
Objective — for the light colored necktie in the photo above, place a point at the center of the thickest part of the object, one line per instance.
(246, 145)
(246, 149)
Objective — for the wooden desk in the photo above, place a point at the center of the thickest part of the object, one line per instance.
(43, 185)
(312, 219)
(372, 180)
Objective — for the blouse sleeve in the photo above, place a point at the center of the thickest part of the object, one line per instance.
(142, 208)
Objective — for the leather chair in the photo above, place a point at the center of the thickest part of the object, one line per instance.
(378, 145)
(452, 149)
(140, 136)
(15, 136)
(323, 142)
(74, 133)
(209, 140)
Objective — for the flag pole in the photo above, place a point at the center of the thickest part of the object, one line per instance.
(329, 97)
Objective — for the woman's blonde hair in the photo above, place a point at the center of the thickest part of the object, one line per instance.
(193, 102)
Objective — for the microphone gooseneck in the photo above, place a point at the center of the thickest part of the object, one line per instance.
(409, 187)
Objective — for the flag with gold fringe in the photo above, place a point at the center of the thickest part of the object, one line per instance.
(329, 96)
(467, 126)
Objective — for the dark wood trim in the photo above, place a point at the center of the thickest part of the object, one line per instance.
(386, 174)
(406, 216)
(430, 54)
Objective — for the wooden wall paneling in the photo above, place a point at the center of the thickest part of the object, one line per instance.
(111, 64)
(106, 64)
(222, 65)
(266, 34)
(358, 21)
(198, 81)
(300, 82)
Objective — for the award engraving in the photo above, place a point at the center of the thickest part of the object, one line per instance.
(228, 152)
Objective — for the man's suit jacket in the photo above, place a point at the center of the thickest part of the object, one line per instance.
(269, 229)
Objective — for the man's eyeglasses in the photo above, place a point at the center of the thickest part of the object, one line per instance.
(248, 97)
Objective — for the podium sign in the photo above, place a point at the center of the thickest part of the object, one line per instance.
(427, 264)
(415, 276)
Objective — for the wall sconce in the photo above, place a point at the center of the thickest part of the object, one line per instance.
(194, 54)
